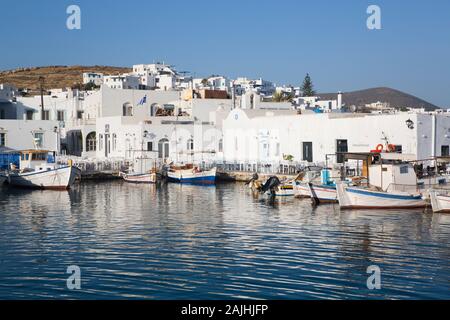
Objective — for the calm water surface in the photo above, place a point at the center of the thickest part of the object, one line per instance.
(188, 242)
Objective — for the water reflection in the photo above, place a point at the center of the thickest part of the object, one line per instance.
(177, 241)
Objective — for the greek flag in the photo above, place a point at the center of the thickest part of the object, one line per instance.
(143, 100)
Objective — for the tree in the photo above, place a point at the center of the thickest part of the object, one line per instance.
(307, 87)
(282, 97)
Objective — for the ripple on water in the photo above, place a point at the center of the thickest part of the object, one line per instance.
(189, 242)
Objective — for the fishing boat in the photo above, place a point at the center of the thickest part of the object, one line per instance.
(139, 177)
(362, 198)
(440, 202)
(190, 174)
(323, 193)
(301, 190)
(36, 172)
(285, 190)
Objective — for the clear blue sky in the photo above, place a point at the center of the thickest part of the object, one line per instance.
(279, 40)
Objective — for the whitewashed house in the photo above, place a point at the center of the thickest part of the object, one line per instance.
(93, 77)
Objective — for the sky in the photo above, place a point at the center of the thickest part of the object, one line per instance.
(278, 40)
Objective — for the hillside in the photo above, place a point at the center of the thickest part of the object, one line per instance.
(55, 76)
(394, 97)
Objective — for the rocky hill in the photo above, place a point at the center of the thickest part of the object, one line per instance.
(55, 76)
(396, 98)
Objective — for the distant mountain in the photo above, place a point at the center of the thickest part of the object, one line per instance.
(396, 98)
(54, 76)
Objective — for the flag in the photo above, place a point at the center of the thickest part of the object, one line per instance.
(143, 100)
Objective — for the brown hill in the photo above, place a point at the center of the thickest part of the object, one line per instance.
(55, 76)
(396, 98)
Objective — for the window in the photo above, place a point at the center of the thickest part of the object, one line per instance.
(91, 142)
(39, 139)
(29, 115)
(114, 142)
(127, 110)
(46, 115)
(307, 151)
(2, 139)
(190, 144)
(221, 145)
(79, 114)
(100, 142)
(60, 115)
(398, 148)
(149, 146)
(445, 152)
(403, 169)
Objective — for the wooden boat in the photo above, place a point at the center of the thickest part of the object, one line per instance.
(36, 172)
(191, 175)
(139, 177)
(285, 190)
(301, 190)
(323, 193)
(362, 198)
(440, 202)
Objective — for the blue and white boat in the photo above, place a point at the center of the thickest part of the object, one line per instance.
(362, 198)
(191, 175)
(36, 172)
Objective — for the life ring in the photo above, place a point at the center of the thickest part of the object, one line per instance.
(391, 147)
(379, 148)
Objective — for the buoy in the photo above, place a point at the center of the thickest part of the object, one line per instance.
(391, 148)
(379, 147)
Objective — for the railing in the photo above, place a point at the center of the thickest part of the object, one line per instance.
(93, 166)
(288, 168)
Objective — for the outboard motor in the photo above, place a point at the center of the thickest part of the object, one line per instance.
(271, 184)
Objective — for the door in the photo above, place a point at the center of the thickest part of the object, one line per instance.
(107, 145)
(341, 146)
(307, 151)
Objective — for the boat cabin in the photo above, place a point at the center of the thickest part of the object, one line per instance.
(35, 160)
(387, 171)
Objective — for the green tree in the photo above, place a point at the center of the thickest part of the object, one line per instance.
(282, 97)
(307, 87)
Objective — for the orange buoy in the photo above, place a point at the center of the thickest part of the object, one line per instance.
(379, 148)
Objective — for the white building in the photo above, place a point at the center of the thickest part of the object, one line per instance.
(92, 77)
(124, 81)
(22, 134)
(260, 86)
(259, 136)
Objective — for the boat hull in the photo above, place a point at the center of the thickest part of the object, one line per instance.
(190, 177)
(140, 178)
(56, 179)
(357, 198)
(439, 203)
(286, 190)
(301, 190)
(323, 193)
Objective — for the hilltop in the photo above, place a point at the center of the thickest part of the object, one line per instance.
(55, 76)
(396, 98)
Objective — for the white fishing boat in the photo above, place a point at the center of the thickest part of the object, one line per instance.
(285, 190)
(322, 193)
(139, 177)
(362, 198)
(191, 175)
(440, 201)
(301, 190)
(36, 172)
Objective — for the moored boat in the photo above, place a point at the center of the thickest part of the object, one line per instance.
(440, 202)
(362, 198)
(322, 193)
(36, 172)
(301, 190)
(285, 190)
(191, 175)
(139, 177)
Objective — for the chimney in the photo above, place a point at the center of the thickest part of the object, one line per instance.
(339, 100)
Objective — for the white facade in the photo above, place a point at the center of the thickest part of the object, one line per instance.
(123, 81)
(7, 93)
(92, 77)
(21, 134)
(258, 136)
